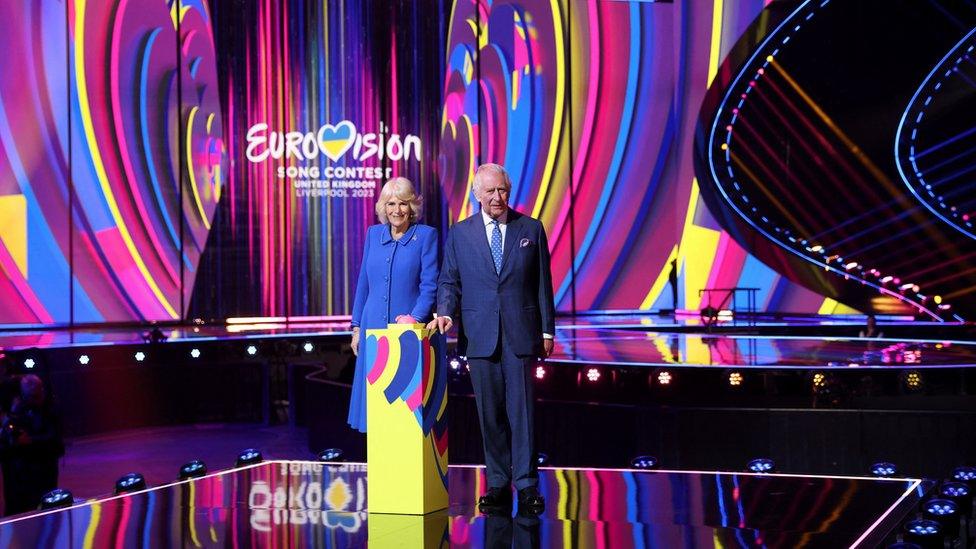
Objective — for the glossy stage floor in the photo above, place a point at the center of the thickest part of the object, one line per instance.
(311, 504)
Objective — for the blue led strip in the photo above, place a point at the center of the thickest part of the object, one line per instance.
(906, 156)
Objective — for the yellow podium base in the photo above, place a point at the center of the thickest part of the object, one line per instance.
(414, 531)
(406, 403)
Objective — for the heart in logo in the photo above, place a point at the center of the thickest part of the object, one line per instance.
(336, 140)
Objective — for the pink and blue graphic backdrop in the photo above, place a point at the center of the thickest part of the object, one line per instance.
(126, 194)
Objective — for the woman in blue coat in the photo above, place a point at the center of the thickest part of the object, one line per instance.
(397, 280)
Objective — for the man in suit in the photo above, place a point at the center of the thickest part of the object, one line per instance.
(496, 272)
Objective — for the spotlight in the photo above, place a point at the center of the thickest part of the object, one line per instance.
(965, 474)
(308, 347)
(644, 462)
(938, 508)
(249, 457)
(132, 482)
(664, 377)
(593, 375)
(912, 380)
(735, 379)
(541, 459)
(193, 469)
(926, 533)
(195, 353)
(959, 493)
(884, 469)
(945, 512)
(540, 372)
(953, 490)
(84, 360)
(58, 498)
(252, 350)
(819, 380)
(29, 363)
(761, 465)
(140, 356)
(330, 454)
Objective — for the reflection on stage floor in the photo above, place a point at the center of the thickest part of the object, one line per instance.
(292, 504)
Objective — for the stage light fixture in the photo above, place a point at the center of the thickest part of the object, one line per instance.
(330, 454)
(541, 459)
(735, 379)
(193, 469)
(252, 350)
(29, 363)
(58, 498)
(912, 380)
(540, 372)
(132, 482)
(884, 469)
(945, 512)
(593, 375)
(84, 360)
(644, 462)
(761, 465)
(819, 380)
(965, 474)
(308, 347)
(954, 490)
(140, 356)
(664, 377)
(960, 493)
(195, 353)
(249, 456)
(927, 533)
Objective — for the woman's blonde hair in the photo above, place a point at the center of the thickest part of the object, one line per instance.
(401, 188)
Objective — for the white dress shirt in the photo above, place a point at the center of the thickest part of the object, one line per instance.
(490, 227)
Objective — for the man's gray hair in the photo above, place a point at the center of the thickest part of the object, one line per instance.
(490, 168)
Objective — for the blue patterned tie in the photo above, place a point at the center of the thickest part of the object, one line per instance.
(496, 245)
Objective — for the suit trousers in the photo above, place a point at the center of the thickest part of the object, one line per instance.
(504, 393)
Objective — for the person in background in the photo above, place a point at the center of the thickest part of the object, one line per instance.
(30, 446)
(871, 329)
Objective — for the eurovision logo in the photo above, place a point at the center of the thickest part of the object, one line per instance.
(342, 143)
(333, 141)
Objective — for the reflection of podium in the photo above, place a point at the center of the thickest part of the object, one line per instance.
(406, 408)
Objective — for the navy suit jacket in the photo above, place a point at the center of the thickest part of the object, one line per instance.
(518, 301)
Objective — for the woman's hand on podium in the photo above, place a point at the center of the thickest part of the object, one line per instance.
(406, 319)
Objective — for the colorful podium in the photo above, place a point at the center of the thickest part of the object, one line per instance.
(406, 407)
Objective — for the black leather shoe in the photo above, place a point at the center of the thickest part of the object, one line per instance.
(531, 500)
(496, 497)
